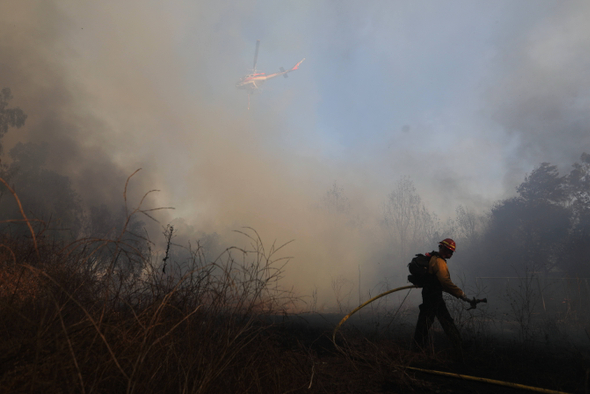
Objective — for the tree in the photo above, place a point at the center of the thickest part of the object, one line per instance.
(338, 207)
(528, 233)
(577, 252)
(9, 117)
(45, 195)
(543, 185)
(469, 224)
(410, 225)
(578, 183)
(335, 200)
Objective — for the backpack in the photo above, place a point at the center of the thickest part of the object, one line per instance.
(419, 269)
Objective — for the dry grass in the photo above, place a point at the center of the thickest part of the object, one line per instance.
(99, 315)
(78, 319)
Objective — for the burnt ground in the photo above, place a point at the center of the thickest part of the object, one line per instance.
(369, 363)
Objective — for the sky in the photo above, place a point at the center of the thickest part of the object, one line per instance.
(463, 97)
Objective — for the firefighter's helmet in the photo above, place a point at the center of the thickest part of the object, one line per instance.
(448, 243)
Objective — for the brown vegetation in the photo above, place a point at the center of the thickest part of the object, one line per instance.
(99, 315)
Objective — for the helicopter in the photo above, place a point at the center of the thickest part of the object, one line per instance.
(251, 82)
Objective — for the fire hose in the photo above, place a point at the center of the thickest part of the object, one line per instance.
(365, 304)
(486, 380)
(473, 304)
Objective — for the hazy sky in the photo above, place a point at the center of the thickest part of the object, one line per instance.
(464, 97)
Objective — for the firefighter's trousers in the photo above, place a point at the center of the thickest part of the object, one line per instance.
(434, 306)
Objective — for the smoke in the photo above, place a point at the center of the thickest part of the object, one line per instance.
(116, 86)
(542, 96)
(34, 62)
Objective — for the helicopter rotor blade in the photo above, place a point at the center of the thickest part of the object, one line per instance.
(256, 54)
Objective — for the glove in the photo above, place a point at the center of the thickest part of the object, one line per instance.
(472, 302)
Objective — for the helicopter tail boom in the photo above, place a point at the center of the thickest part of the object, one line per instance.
(295, 67)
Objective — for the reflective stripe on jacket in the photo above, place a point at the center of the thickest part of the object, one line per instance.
(438, 267)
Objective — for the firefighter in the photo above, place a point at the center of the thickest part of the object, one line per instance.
(433, 305)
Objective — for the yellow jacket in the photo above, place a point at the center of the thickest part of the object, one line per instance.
(438, 267)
